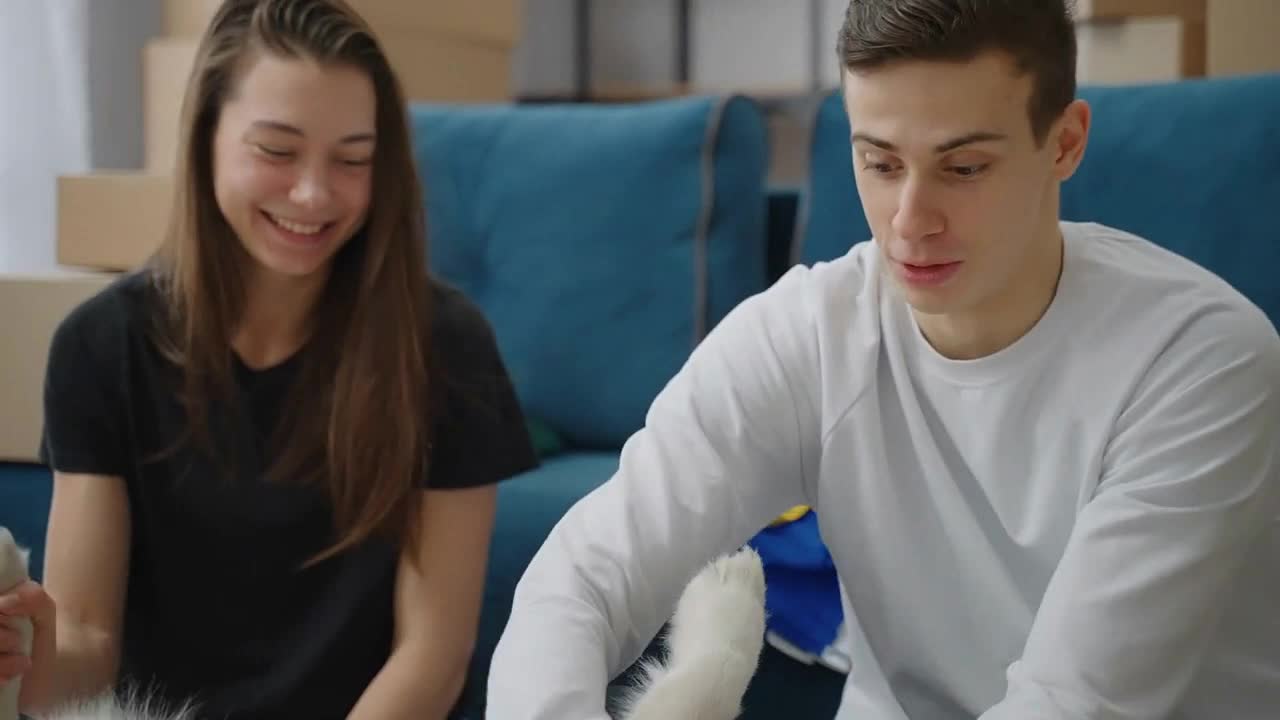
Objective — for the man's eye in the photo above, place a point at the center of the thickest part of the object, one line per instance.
(878, 167)
(968, 170)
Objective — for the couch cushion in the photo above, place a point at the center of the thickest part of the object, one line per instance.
(830, 218)
(529, 505)
(25, 493)
(601, 241)
(1191, 165)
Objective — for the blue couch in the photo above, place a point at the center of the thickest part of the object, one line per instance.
(604, 242)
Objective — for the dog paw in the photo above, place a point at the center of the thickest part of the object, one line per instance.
(722, 607)
(742, 570)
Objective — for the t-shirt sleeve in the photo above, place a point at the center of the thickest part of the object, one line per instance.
(83, 430)
(481, 436)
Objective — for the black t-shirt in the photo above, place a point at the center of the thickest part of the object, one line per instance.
(218, 610)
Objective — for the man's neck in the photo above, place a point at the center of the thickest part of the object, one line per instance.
(277, 315)
(1003, 319)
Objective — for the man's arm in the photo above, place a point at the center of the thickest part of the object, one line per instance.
(1190, 483)
(727, 445)
(437, 609)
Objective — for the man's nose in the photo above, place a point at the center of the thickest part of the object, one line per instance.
(918, 215)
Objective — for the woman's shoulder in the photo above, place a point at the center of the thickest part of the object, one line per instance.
(111, 316)
(480, 434)
(461, 331)
(455, 311)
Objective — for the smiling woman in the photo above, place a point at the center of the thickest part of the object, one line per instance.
(295, 188)
(269, 442)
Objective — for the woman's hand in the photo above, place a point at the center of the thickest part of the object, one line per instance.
(28, 602)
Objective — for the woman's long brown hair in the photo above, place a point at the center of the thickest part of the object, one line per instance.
(358, 419)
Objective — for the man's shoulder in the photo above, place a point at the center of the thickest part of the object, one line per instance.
(1137, 278)
(842, 284)
(1177, 318)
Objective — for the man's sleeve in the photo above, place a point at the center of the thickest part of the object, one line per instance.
(726, 446)
(1189, 485)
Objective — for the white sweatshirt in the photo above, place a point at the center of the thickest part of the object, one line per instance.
(1085, 525)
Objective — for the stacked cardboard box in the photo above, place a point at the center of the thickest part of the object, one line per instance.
(441, 51)
(111, 221)
(33, 305)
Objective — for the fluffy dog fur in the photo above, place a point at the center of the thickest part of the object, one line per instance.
(13, 572)
(131, 706)
(712, 647)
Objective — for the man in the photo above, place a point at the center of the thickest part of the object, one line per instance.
(1043, 454)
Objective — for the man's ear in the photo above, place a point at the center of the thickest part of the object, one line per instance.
(1068, 139)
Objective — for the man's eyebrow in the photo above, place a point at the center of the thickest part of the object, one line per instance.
(949, 145)
(882, 144)
(292, 130)
(973, 137)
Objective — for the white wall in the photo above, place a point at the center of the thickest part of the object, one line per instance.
(761, 44)
(633, 44)
(44, 127)
(544, 60)
(764, 45)
(119, 30)
(71, 102)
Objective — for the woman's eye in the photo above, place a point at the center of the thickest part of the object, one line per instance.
(274, 152)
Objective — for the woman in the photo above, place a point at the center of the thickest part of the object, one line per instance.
(275, 446)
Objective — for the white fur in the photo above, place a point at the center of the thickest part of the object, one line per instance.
(13, 572)
(712, 647)
(108, 707)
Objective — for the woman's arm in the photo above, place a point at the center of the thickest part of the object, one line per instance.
(437, 609)
(86, 566)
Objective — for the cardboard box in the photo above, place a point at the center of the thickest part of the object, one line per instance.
(1242, 37)
(34, 306)
(493, 22)
(111, 220)
(166, 71)
(438, 68)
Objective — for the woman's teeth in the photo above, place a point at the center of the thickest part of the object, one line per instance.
(293, 227)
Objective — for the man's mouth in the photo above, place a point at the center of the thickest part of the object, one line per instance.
(929, 265)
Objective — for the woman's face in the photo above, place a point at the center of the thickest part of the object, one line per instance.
(293, 161)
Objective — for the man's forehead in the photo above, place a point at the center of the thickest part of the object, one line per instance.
(937, 100)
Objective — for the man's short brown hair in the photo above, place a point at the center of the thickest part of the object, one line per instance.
(1039, 35)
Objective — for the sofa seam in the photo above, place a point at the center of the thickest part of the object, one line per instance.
(805, 201)
(702, 229)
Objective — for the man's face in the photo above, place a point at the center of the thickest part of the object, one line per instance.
(960, 197)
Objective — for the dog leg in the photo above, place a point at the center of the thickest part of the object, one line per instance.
(13, 572)
(713, 646)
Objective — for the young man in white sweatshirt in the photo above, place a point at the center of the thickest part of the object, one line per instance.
(1043, 455)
